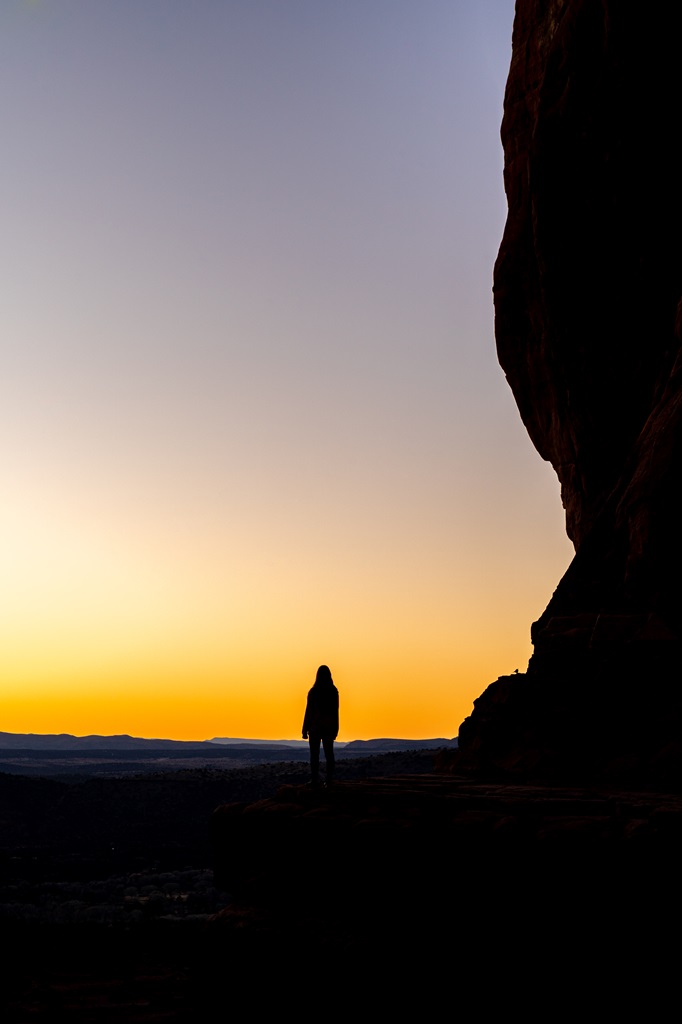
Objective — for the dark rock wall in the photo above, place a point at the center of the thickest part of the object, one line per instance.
(588, 276)
(588, 287)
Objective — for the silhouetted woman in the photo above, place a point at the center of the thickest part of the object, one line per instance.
(321, 722)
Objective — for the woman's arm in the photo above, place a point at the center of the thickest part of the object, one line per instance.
(306, 719)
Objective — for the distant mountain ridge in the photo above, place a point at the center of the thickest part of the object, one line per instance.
(235, 741)
(388, 745)
(65, 741)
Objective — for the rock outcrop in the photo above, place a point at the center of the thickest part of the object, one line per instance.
(588, 287)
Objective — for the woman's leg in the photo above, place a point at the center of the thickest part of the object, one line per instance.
(328, 744)
(314, 743)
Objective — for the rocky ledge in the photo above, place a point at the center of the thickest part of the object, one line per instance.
(447, 873)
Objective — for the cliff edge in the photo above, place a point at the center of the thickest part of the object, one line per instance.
(588, 311)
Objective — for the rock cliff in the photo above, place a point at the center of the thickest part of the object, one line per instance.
(588, 286)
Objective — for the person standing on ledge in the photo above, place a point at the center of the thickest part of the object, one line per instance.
(321, 723)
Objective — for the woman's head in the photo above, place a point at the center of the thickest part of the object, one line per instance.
(323, 677)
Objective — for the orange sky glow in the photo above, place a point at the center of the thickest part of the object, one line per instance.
(252, 419)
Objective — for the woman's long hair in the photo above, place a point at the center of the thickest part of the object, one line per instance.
(323, 677)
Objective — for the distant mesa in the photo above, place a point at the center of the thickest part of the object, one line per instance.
(385, 746)
(375, 746)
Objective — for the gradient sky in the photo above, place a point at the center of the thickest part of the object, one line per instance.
(252, 419)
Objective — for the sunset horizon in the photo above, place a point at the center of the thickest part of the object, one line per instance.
(253, 419)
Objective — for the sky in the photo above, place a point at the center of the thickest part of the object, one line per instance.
(251, 418)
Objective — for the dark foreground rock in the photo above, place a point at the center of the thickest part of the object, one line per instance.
(416, 887)
(411, 894)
